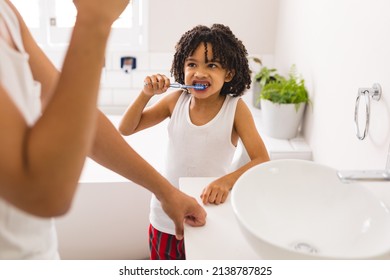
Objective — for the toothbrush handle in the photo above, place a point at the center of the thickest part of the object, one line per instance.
(177, 85)
(197, 86)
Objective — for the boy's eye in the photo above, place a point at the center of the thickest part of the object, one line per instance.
(212, 65)
(191, 64)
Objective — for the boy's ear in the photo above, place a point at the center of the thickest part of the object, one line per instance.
(229, 75)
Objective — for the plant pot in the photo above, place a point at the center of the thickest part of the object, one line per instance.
(256, 88)
(281, 120)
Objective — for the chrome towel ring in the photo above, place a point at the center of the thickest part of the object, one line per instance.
(367, 93)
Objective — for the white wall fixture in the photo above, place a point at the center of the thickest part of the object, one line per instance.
(375, 93)
(128, 63)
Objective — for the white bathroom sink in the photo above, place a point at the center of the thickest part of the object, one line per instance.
(297, 209)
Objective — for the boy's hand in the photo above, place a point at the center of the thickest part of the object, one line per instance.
(216, 192)
(156, 84)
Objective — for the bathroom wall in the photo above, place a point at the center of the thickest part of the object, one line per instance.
(339, 46)
(253, 21)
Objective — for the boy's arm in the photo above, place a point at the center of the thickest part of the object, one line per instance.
(130, 121)
(137, 117)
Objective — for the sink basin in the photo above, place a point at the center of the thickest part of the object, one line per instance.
(297, 209)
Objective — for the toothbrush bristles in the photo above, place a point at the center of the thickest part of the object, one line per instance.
(200, 86)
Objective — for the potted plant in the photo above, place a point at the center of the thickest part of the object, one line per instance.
(283, 102)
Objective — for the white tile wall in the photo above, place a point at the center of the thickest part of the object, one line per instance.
(119, 89)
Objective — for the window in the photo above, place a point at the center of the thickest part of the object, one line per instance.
(30, 11)
(51, 23)
(32, 14)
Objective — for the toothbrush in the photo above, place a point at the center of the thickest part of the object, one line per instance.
(196, 86)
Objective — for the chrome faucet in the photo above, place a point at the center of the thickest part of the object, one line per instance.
(347, 176)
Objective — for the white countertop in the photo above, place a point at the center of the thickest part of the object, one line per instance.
(221, 237)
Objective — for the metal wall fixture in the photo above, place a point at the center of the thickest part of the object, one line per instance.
(367, 94)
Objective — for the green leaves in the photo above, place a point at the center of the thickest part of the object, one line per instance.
(279, 89)
(266, 75)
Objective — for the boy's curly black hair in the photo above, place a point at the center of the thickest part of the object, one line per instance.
(229, 50)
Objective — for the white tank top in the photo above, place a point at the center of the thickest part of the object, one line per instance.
(22, 236)
(195, 151)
